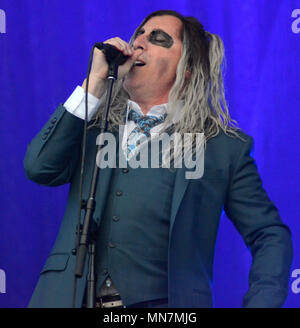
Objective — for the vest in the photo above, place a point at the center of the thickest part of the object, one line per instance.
(133, 235)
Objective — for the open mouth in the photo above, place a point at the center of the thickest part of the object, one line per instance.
(139, 63)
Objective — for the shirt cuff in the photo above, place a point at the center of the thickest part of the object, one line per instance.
(76, 104)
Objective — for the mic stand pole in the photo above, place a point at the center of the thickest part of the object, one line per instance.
(87, 239)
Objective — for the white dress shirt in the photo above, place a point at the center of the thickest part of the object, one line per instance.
(76, 106)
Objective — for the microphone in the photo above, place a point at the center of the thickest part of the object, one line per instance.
(112, 54)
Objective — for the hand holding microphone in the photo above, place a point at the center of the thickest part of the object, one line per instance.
(99, 67)
(112, 54)
(111, 47)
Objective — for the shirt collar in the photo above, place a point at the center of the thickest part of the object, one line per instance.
(157, 110)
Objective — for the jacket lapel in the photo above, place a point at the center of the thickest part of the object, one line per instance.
(103, 186)
(180, 187)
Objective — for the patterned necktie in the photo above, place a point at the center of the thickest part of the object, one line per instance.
(144, 125)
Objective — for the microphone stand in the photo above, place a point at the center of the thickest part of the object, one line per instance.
(87, 230)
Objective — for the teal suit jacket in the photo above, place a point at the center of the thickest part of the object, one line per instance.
(230, 182)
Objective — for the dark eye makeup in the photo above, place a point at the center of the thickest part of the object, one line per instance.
(158, 37)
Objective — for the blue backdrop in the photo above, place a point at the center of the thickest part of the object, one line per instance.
(44, 56)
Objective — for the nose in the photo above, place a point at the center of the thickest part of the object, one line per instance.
(140, 42)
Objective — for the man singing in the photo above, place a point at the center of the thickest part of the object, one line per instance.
(156, 229)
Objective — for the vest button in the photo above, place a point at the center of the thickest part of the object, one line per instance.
(119, 193)
(115, 218)
(111, 244)
(125, 170)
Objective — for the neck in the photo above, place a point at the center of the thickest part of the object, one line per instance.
(146, 104)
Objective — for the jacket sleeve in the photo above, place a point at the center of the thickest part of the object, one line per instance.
(257, 219)
(53, 155)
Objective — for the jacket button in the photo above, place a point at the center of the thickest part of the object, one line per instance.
(54, 120)
(115, 218)
(125, 170)
(45, 135)
(119, 193)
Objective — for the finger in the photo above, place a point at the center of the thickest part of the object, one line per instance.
(131, 60)
(120, 45)
(129, 49)
(135, 54)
